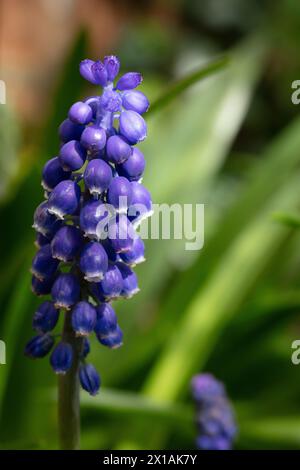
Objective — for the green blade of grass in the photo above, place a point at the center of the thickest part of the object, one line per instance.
(128, 403)
(181, 85)
(289, 219)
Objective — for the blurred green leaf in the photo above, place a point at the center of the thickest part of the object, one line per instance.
(219, 298)
(122, 402)
(285, 150)
(271, 433)
(13, 316)
(181, 85)
(9, 144)
(291, 220)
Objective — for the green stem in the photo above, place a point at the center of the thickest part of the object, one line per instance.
(68, 394)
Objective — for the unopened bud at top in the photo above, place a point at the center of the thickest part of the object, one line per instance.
(129, 80)
(112, 65)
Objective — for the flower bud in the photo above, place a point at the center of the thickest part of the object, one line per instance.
(97, 176)
(68, 130)
(72, 156)
(93, 102)
(111, 101)
(39, 346)
(86, 348)
(100, 73)
(129, 80)
(80, 113)
(83, 318)
(206, 388)
(64, 199)
(111, 285)
(94, 217)
(44, 222)
(134, 167)
(113, 340)
(93, 261)
(43, 265)
(118, 151)
(112, 65)
(65, 290)
(61, 358)
(141, 203)
(85, 69)
(112, 255)
(132, 127)
(130, 282)
(66, 243)
(135, 254)
(106, 319)
(121, 233)
(93, 139)
(39, 287)
(45, 317)
(89, 379)
(135, 100)
(120, 194)
(41, 240)
(53, 174)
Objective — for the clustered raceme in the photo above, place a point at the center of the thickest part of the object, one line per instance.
(86, 227)
(214, 415)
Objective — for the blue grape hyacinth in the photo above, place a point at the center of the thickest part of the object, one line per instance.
(86, 226)
(214, 415)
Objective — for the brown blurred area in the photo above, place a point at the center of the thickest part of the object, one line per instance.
(35, 36)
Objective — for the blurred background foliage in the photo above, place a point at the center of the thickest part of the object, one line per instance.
(230, 141)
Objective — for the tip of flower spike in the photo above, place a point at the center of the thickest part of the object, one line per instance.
(129, 81)
(112, 65)
(100, 74)
(85, 69)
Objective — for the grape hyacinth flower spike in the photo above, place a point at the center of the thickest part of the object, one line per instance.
(85, 232)
(214, 415)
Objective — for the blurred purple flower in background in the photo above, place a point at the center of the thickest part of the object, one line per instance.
(215, 419)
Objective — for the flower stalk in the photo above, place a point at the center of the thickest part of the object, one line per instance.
(68, 394)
